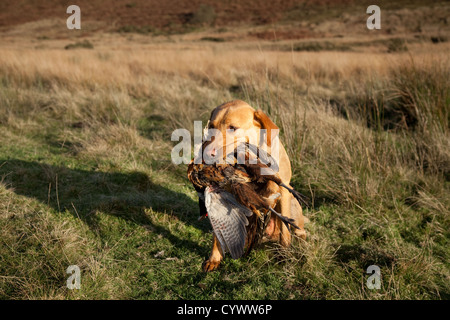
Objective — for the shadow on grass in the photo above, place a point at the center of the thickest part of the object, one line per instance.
(364, 256)
(85, 193)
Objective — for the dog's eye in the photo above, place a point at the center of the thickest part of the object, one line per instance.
(233, 128)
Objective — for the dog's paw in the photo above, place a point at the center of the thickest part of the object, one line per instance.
(210, 265)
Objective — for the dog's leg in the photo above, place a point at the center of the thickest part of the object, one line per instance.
(215, 258)
(276, 230)
(285, 210)
(297, 215)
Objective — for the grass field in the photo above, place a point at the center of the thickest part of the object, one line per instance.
(86, 177)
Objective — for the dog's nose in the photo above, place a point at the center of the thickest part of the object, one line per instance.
(211, 152)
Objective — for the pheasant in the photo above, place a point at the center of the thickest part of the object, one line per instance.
(229, 196)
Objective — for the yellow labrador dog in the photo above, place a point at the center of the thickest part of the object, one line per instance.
(238, 118)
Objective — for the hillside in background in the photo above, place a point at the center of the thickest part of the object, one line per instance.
(160, 14)
(228, 20)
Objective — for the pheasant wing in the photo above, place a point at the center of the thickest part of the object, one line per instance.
(228, 219)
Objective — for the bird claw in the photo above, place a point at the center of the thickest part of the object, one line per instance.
(297, 195)
(287, 221)
(300, 198)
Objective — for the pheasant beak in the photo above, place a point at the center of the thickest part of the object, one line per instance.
(202, 217)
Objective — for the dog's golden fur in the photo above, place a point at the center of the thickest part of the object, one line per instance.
(236, 115)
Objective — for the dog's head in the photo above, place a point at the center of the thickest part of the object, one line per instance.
(234, 122)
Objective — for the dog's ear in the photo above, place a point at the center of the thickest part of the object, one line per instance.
(212, 114)
(263, 121)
